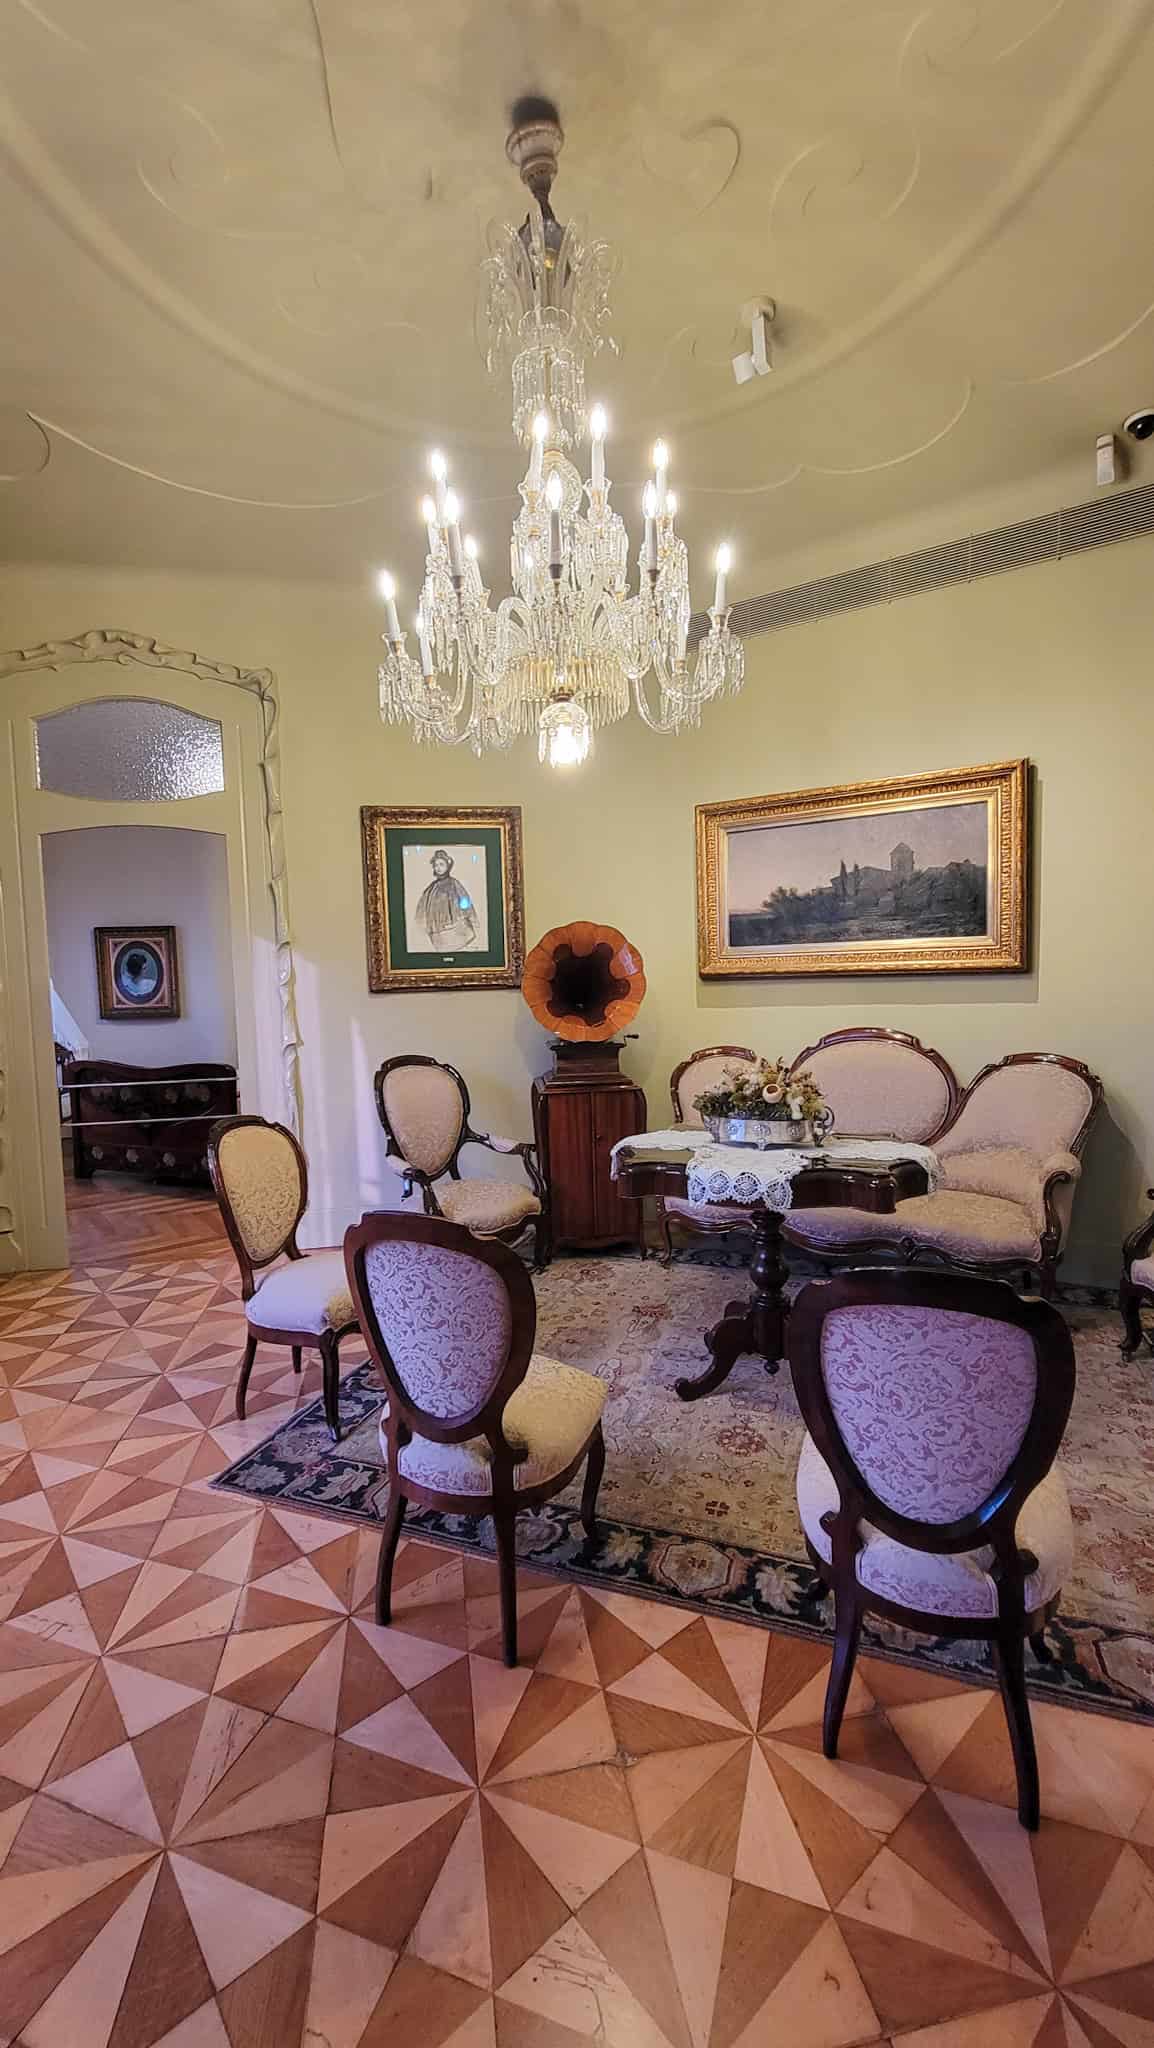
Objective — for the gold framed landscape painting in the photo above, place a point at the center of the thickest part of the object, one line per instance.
(444, 896)
(923, 875)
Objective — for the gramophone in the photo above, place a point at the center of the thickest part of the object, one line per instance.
(585, 982)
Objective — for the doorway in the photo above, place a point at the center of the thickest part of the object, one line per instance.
(144, 1034)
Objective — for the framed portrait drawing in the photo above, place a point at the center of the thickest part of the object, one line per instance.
(136, 971)
(925, 875)
(444, 905)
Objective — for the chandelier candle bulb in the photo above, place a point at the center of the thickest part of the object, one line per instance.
(660, 474)
(649, 507)
(723, 563)
(451, 521)
(554, 492)
(425, 646)
(387, 586)
(439, 470)
(598, 426)
(432, 523)
(536, 457)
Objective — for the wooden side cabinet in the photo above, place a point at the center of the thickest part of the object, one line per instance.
(579, 1112)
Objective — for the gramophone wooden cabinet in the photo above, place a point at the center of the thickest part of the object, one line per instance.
(579, 1112)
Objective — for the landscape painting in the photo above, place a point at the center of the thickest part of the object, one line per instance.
(927, 873)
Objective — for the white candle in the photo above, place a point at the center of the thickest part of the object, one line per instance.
(425, 646)
(649, 507)
(682, 637)
(451, 521)
(386, 584)
(553, 496)
(661, 471)
(439, 470)
(536, 453)
(432, 524)
(598, 425)
(722, 562)
(671, 504)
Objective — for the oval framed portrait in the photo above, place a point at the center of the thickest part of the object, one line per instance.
(136, 971)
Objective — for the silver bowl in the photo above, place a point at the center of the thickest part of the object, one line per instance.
(763, 1133)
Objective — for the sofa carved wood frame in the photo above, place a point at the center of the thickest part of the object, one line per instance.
(880, 1034)
(327, 1342)
(992, 1525)
(404, 1419)
(910, 1250)
(703, 1225)
(413, 1176)
(1134, 1294)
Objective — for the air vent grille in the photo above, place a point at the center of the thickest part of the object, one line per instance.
(1097, 524)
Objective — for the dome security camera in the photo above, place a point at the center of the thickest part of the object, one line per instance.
(1140, 424)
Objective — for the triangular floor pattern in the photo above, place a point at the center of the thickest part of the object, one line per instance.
(236, 1813)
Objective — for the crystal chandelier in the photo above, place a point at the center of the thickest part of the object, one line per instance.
(573, 646)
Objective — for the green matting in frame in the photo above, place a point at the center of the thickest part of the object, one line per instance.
(464, 928)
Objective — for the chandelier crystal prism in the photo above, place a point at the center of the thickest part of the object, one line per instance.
(573, 646)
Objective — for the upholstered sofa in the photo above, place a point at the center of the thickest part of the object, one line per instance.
(1137, 1286)
(1011, 1158)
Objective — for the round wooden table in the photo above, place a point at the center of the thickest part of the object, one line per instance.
(758, 1324)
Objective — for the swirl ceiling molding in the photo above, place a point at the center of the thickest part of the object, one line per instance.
(275, 235)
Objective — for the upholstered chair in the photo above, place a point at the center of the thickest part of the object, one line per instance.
(477, 1422)
(424, 1110)
(1010, 1158)
(261, 1182)
(1137, 1284)
(702, 1070)
(934, 1406)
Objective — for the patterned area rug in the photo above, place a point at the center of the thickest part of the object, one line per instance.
(697, 1504)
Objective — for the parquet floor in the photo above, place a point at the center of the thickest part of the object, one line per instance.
(115, 1218)
(235, 1813)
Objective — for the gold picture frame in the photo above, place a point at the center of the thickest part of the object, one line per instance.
(444, 896)
(952, 898)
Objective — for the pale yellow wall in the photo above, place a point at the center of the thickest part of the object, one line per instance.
(1053, 663)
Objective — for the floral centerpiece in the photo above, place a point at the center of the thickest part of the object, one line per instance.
(765, 1105)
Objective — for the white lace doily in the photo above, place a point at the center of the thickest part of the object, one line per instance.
(736, 1173)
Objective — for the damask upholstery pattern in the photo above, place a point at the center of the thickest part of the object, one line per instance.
(487, 1205)
(424, 1108)
(306, 1294)
(935, 1584)
(878, 1089)
(710, 1213)
(446, 1321)
(1010, 1173)
(262, 1179)
(547, 1421)
(1142, 1272)
(1039, 1106)
(965, 1226)
(932, 1403)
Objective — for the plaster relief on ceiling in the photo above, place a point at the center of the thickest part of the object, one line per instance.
(24, 446)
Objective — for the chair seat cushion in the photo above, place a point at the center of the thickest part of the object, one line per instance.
(711, 1214)
(965, 1226)
(487, 1205)
(938, 1584)
(548, 1420)
(1142, 1272)
(306, 1294)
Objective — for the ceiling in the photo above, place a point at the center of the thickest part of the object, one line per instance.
(242, 249)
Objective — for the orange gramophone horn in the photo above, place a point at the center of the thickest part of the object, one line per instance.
(584, 981)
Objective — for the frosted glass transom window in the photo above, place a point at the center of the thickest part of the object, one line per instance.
(129, 750)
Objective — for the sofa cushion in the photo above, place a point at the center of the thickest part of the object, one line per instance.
(962, 1225)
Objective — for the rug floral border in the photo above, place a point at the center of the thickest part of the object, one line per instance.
(1094, 1667)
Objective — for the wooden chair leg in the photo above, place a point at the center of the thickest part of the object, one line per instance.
(1009, 1657)
(594, 1467)
(390, 1537)
(541, 1247)
(331, 1384)
(848, 1633)
(245, 1375)
(1048, 1279)
(505, 1527)
(296, 1357)
(1041, 1647)
(666, 1253)
(1130, 1303)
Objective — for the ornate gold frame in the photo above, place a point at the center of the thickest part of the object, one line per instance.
(1004, 949)
(384, 976)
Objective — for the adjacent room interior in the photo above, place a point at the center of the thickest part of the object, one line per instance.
(576, 1123)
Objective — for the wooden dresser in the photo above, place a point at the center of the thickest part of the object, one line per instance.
(147, 1120)
(579, 1112)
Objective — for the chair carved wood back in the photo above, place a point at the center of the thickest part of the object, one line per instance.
(423, 1105)
(449, 1318)
(260, 1177)
(703, 1069)
(881, 1083)
(886, 1364)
